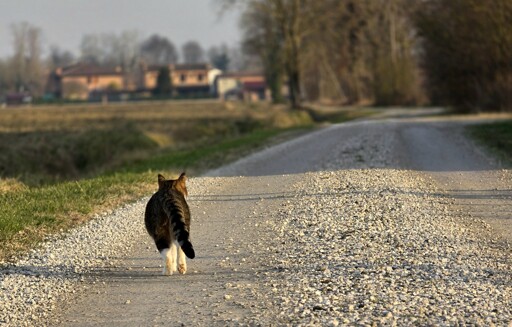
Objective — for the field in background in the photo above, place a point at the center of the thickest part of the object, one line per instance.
(53, 144)
(61, 165)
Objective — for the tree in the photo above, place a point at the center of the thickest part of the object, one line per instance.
(163, 82)
(26, 64)
(396, 76)
(192, 53)
(125, 49)
(111, 49)
(281, 26)
(336, 50)
(4, 77)
(467, 52)
(59, 58)
(219, 57)
(158, 50)
(92, 50)
(263, 39)
(240, 60)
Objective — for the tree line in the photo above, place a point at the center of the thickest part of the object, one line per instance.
(380, 52)
(384, 52)
(26, 69)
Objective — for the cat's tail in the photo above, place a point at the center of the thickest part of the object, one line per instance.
(179, 216)
(188, 249)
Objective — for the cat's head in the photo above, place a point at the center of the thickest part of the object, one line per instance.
(177, 184)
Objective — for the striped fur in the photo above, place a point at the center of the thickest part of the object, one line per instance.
(167, 220)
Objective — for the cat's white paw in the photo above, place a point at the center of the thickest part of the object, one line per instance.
(182, 268)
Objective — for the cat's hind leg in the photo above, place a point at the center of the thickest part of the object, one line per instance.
(172, 260)
(182, 261)
(166, 256)
(166, 251)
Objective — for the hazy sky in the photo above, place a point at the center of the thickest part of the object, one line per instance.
(63, 22)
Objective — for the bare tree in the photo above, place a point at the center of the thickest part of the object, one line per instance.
(467, 52)
(219, 57)
(59, 57)
(281, 26)
(4, 77)
(240, 60)
(192, 52)
(26, 62)
(111, 49)
(125, 49)
(263, 39)
(91, 49)
(158, 50)
(343, 50)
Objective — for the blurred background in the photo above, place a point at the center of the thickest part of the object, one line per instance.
(394, 52)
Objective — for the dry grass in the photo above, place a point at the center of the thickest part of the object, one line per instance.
(153, 116)
(42, 145)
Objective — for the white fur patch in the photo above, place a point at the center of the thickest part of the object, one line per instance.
(168, 262)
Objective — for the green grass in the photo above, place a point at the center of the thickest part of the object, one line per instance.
(206, 156)
(497, 137)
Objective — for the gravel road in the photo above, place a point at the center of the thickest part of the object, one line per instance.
(389, 222)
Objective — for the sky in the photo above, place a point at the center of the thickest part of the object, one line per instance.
(64, 22)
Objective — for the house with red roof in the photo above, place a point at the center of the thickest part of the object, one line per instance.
(248, 86)
(80, 80)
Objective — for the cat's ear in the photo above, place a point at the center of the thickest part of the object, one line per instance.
(161, 180)
(181, 184)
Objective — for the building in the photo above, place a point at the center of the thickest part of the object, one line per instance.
(81, 80)
(91, 82)
(248, 86)
(188, 80)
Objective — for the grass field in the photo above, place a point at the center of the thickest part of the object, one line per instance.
(61, 165)
(54, 144)
(497, 137)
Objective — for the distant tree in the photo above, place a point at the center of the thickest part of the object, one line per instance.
(192, 53)
(112, 49)
(92, 50)
(263, 39)
(281, 28)
(4, 77)
(219, 57)
(242, 60)
(158, 50)
(467, 52)
(26, 64)
(59, 58)
(394, 42)
(338, 50)
(163, 82)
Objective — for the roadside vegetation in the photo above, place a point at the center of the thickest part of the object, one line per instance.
(61, 165)
(497, 137)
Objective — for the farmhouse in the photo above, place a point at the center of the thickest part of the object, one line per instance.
(81, 80)
(248, 86)
(188, 80)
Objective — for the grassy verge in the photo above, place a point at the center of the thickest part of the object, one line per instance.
(495, 136)
(30, 213)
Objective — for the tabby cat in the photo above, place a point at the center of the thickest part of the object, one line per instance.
(167, 220)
